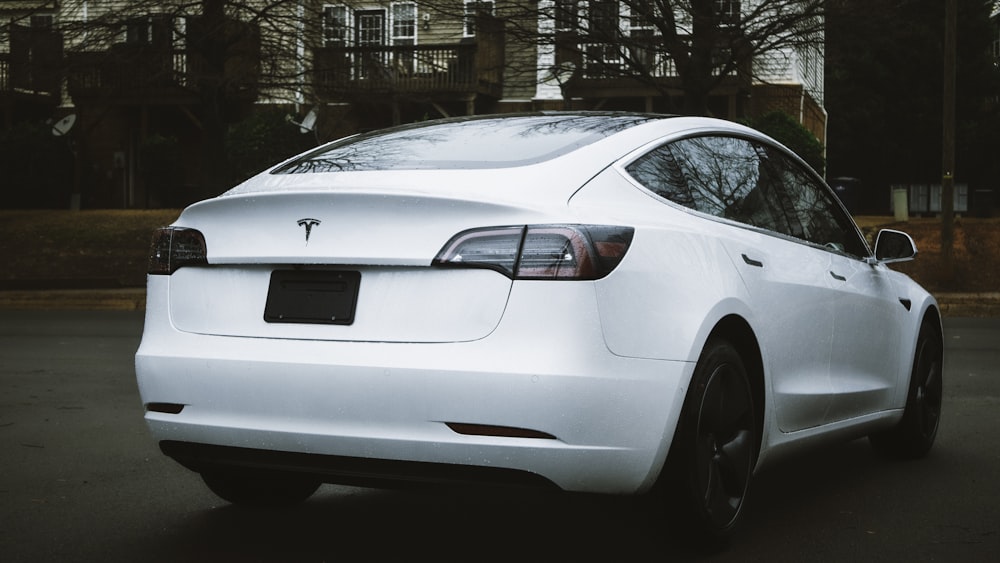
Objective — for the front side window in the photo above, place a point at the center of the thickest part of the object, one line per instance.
(751, 183)
(819, 219)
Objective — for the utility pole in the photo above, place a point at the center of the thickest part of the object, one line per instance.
(948, 143)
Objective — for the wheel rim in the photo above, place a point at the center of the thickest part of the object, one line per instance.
(927, 395)
(724, 449)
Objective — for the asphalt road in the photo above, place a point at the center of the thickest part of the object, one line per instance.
(81, 480)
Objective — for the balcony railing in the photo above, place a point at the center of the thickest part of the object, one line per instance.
(146, 75)
(117, 74)
(610, 65)
(31, 83)
(461, 69)
(4, 74)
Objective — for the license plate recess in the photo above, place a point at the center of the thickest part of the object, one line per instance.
(312, 296)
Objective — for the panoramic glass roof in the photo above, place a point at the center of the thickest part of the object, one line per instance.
(465, 143)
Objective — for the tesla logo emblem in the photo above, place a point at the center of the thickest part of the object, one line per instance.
(308, 224)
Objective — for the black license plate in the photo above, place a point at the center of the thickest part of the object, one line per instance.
(310, 296)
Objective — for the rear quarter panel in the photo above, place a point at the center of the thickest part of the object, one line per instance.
(675, 283)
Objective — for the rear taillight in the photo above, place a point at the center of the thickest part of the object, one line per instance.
(540, 252)
(174, 247)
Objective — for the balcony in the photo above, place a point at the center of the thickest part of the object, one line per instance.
(641, 68)
(30, 72)
(455, 71)
(153, 68)
(141, 75)
(130, 75)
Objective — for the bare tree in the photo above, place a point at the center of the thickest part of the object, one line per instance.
(682, 49)
(211, 59)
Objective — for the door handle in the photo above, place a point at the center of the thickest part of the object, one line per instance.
(837, 277)
(752, 262)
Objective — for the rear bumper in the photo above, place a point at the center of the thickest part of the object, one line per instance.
(348, 470)
(595, 422)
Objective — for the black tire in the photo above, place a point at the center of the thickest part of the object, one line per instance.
(707, 478)
(913, 437)
(260, 489)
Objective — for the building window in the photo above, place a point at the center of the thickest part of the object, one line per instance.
(641, 33)
(369, 28)
(729, 11)
(404, 33)
(567, 15)
(601, 56)
(335, 27)
(474, 8)
(604, 19)
(404, 24)
(41, 21)
(137, 31)
(156, 30)
(640, 15)
(996, 41)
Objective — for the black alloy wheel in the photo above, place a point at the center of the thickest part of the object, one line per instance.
(913, 437)
(715, 447)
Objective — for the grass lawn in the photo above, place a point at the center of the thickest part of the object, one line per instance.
(66, 249)
(976, 254)
(108, 248)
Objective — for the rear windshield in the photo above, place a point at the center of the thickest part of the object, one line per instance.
(496, 142)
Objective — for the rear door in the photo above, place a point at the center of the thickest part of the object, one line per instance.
(729, 178)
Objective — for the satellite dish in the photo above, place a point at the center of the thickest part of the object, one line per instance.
(562, 72)
(308, 122)
(61, 127)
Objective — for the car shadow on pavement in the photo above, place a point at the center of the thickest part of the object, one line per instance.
(823, 505)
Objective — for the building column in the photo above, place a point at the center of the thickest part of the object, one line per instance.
(548, 87)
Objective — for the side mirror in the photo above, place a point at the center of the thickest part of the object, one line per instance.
(893, 246)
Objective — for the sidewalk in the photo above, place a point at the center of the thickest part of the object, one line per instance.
(134, 299)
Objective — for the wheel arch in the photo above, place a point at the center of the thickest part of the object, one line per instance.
(738, 332)
(933, 316)
(930, 317)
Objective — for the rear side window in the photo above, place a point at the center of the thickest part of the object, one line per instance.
(751, 183)
(721, 176)
(464, 143)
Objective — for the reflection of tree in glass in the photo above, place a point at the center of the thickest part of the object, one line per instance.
(751, 183)
(720, 176)
(820, 219)
(464, 143)
(366, 152)
(720, 172)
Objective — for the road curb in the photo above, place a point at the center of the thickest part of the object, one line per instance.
(969, 304)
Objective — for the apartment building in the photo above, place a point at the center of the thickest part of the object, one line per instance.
(140, 77)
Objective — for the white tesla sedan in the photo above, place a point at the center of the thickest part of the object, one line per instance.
(599, 302)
